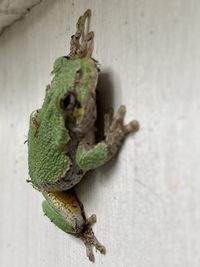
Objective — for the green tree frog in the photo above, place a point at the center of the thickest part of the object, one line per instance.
(61, 139)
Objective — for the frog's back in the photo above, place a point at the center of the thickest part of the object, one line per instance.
(48, 136)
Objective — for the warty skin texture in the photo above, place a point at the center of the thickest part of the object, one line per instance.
(48, 135)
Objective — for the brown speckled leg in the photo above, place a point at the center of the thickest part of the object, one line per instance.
(82, 41)
(90, 240)
(115, 130)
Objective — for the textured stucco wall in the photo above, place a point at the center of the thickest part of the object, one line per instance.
(147, 200)
(11, 11)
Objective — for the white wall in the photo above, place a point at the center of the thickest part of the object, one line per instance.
(147, 200)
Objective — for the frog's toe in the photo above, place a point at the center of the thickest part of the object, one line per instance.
(89, 252)
(90, 240)
(121, 113)
(132, 126)
(101, 249)
(91, 220)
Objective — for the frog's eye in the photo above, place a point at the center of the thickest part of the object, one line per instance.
(68, 101)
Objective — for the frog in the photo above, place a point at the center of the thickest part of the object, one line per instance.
(62, 143)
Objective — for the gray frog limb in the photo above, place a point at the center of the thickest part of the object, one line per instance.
(82, 41)
(115, 131)
(90, 240)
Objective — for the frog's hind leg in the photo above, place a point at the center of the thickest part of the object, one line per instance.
(66, 211)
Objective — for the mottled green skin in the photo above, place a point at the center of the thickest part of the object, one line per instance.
(58, 219)
(92, 158)
(48, 136)
(62, 147)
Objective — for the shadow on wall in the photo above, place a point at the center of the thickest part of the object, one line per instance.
(105, 102)
(104, 99)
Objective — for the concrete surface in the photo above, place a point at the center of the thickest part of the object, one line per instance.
(147, 200)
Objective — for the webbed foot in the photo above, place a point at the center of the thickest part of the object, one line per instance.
(90, 240)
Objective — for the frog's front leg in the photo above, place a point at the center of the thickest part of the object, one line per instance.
(66, 211)
(115, 132)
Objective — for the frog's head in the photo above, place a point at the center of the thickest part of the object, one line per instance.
(77, 97)
(76, 78)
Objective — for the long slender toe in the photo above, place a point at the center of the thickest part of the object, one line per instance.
(132, 126)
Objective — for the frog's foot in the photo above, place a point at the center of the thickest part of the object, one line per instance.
(115, 129)
(90, 240)
(82, 41)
